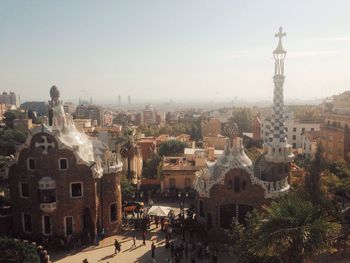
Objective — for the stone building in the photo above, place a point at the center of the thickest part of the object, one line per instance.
(335, 137)
(9, 99)
(148, 147)
(294, 129)
(211, 127)
(234, 185)
(62, 183)
(89, 111)
(216, 141)
(310, 141)
(22, 124)
(178, 172)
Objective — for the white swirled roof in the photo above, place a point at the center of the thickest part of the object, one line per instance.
(232, 158)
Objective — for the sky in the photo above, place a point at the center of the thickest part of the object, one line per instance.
(181, 50)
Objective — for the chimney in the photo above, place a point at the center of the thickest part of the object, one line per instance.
(211, 154)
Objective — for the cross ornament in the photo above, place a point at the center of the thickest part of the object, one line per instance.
(280, 34)
(45, 144)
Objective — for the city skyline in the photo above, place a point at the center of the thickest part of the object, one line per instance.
(197, 51)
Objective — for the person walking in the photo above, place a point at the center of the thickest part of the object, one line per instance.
(144, 237)
(133, 241)
(156, 221)
(117, 246)
(162, 222)
(153, 248)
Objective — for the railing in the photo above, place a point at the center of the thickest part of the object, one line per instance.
(48, 207)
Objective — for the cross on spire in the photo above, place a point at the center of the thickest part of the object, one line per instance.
(279, 48)
(280, 34)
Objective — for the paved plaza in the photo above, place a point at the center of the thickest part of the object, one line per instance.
(141, 253)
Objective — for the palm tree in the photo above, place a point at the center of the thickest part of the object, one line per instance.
(293, 230)
(127, 151)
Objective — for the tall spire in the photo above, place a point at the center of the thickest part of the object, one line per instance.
(278, 149)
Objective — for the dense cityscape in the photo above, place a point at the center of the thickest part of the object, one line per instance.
(83, 180)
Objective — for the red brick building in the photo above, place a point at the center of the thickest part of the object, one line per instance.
(64, 184)
(148, 147)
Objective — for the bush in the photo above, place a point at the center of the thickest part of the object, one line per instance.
(13, 250)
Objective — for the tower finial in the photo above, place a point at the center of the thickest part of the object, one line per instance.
(279, 49)
(54, 94)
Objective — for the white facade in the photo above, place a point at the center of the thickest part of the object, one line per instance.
(309, 143)
(294, 129)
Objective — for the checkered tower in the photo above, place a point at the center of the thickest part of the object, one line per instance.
(277, 149)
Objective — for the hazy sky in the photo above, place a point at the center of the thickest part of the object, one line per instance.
(179, 49)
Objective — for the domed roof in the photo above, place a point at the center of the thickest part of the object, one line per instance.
(54, 93)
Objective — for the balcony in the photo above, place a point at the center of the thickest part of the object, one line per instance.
(47, 194)
(48, 207)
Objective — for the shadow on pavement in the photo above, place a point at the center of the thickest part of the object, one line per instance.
(107, 257)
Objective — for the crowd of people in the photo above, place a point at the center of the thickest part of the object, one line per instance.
(185, 238)
(194, 252)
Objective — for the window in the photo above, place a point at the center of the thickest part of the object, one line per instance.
(294, 137)
(294, 145)
(27, 223)
(24, 190)
(302, 129)
(172, 182)
(187, 182)
(68, 225)
(312, 129)
(31, 164)
(47, 225)
(294, 129)
(63, 164)
(47, 196)
(76, 190)
(113, 212)
(237, 184)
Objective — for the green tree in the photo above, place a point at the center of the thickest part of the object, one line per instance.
(290, 230)
(340, 169)
(150, 168)
(127, 188)
(242, 238)
(127, 151)
(243, 117)
(293, 230)
(9, 139)
(11, 115)
(171, 148)
(313, 185)
(13, 250)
